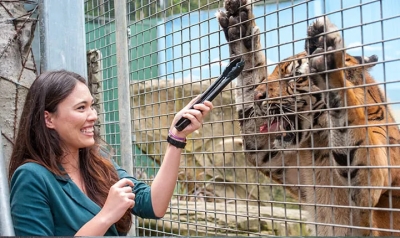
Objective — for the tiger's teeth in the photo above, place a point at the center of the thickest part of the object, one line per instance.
(281, 127)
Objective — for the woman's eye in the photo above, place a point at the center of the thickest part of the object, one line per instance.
(81, 108)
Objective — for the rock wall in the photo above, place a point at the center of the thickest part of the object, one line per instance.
(17, 68)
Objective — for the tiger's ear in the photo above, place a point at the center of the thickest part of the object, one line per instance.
(48, 118)
(365, 60)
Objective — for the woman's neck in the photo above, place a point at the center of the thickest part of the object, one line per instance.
(70, 162)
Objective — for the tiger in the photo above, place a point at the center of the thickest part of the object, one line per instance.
(319, 125)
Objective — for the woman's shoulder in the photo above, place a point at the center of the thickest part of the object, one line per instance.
(33, 169)
(32, 166)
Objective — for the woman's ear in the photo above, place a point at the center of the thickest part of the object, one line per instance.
(48, 117)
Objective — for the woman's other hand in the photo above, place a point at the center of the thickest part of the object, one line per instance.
(120, 198)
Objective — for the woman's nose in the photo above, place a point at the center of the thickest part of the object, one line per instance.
(92, 114)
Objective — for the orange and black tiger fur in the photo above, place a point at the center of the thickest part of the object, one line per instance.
(320, 126)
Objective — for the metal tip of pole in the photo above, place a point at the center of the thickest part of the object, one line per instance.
(6, 225)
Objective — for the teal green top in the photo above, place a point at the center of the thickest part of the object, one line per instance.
(44, 204)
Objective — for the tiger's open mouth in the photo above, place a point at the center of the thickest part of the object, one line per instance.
(281, 127)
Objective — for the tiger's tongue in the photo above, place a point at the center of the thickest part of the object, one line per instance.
(271, 128)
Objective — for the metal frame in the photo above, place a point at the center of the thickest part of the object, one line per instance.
(62, 36)
(6, 224)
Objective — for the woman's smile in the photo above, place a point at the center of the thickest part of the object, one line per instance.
(88, 130)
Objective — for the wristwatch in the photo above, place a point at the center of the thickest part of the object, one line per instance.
(176, 143)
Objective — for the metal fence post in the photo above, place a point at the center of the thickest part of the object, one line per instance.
(6, 225)
(62, 36)
(123, 90)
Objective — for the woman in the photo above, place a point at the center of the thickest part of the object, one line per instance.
(60, 183)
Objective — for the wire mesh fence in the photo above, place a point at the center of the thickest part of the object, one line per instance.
(304, 142)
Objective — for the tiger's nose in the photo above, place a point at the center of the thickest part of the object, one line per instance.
(259, 95)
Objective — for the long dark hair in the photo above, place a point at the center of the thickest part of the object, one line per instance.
(36, 143)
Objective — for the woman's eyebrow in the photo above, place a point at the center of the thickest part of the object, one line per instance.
(84, 102)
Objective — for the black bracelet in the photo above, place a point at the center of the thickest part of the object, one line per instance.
(176, 143)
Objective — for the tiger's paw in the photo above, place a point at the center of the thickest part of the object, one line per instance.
(237, 22)
(323, 36)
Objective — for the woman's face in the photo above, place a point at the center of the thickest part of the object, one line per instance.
(74, 119)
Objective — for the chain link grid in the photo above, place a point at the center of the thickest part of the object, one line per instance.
(176, 49)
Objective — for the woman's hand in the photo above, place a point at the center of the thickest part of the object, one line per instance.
(195, 116)
(120, 198)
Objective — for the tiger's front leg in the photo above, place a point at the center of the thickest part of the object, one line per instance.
(350, 137)
(242, 34)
